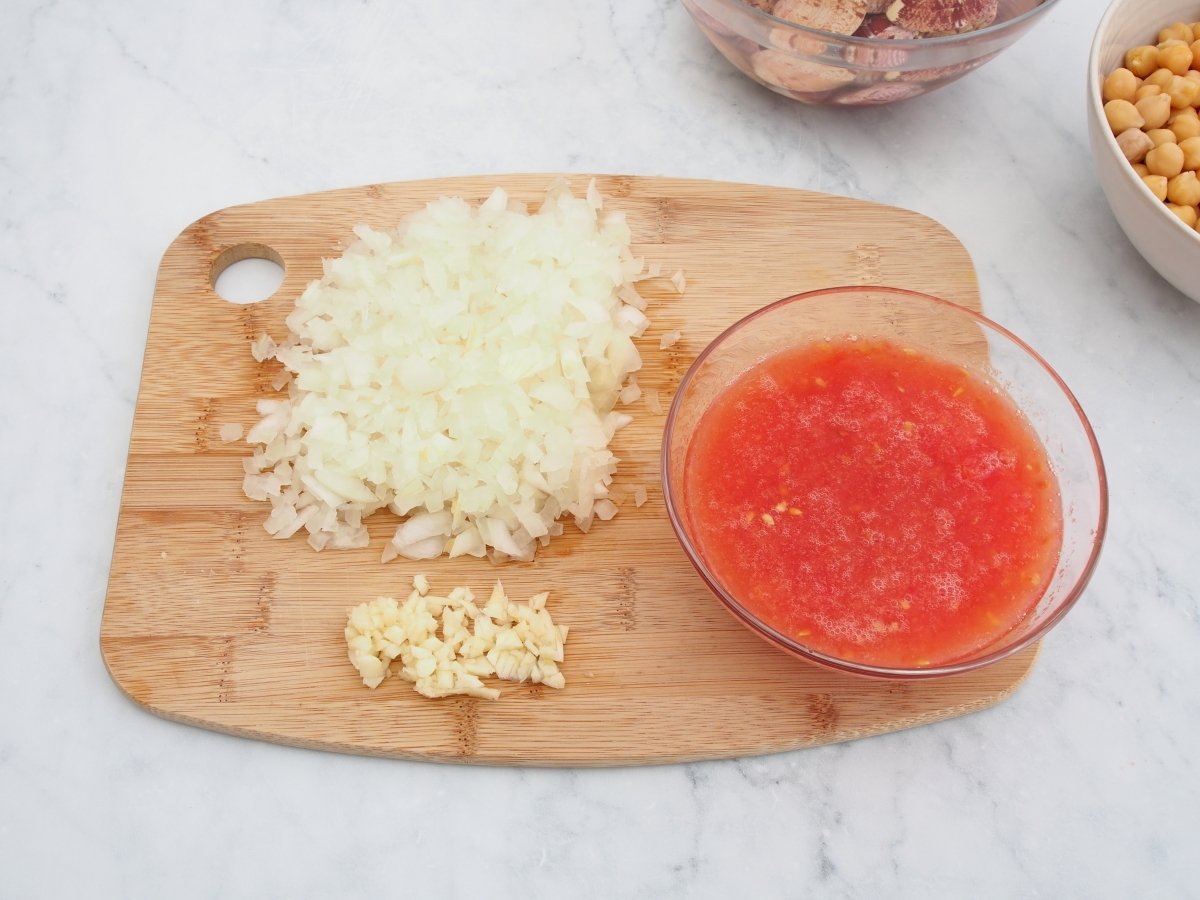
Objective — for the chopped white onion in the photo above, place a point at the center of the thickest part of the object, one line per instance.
(669, 339)
(630, 392)
(460, 370)
(263, 348)
(231, 431)
(629, 294)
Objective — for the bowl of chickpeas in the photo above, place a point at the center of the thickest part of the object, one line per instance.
(1144, 125)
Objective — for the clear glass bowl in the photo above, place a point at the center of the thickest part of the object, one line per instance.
(817, 67)
(941, 329)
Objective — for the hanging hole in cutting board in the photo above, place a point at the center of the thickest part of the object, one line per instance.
(247, 273)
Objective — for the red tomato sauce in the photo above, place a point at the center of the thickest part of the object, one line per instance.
(874, 503)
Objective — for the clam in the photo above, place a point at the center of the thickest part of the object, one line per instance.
(834, 16)
(933, 18)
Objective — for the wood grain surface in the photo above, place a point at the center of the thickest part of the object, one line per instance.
(210, 621)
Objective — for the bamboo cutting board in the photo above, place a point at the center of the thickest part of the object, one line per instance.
(210, 621)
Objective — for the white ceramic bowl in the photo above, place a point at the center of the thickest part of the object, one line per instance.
(1167, 244)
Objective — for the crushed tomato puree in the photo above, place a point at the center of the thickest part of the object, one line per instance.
(874, 503)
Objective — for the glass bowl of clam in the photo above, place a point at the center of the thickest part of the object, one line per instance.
(862, 52)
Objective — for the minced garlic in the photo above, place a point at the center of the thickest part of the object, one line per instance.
(513, 641)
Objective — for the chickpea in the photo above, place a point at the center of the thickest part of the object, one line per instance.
(1194, 46)
(1184, 128)
(1157, 185)
(1176, 57)
(1154, 111)
(1160, 136)
(1191, 153)
(1147, 90)
(1161, 77)
(1123, 115)
(1183, 92)
(1141, 170)
(1187, 214)
(1166, 159)
(1141, 61)
(1135, 144)
(1177, 31)
(1196, 30)
(1120, 85)
(1192, 75)
(1184, 189)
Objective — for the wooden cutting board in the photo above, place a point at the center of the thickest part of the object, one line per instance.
(210, 621)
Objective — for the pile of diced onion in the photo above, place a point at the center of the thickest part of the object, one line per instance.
(461, 371)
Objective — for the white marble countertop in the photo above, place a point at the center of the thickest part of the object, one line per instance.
(121, 123)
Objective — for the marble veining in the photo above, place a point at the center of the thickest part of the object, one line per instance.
(122, 123)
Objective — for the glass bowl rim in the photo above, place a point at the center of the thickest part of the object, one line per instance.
(941, 41)
(786, 643)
